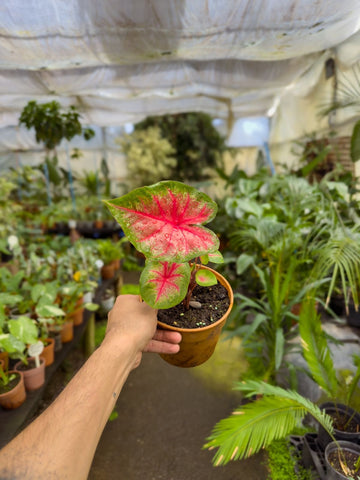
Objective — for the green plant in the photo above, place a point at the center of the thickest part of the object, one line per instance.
(22, 332)
(198, 146)
(276, 411)
(164, 222)
(108, 250)
(51, 124)
(284, 463)
(149, 157)
(267, 337)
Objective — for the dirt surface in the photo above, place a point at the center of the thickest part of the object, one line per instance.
(211, 302)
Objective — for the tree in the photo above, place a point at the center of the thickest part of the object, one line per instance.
(198, 145)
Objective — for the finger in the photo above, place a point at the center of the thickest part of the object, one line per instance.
(154, 346)
(167, 336)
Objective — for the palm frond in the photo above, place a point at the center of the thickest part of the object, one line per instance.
(316, 350)
(256, 425)
(340, 256)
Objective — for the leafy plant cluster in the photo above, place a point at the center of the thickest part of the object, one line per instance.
(184, 147)
(40, 287)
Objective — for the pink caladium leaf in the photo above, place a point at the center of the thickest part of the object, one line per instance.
(205, 278)
(164, 221)
(164, 284)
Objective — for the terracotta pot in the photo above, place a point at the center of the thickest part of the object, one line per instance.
(67, 331)
(77, 315)
(98, 224)
(4, 356)
(34, 378)
(116, 264)
(15, 397)
(107, 271)
(49, 351)
(198, 344)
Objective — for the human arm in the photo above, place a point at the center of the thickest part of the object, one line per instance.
(62, 441)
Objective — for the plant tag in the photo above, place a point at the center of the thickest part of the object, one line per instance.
(35, 350)
(99, 263)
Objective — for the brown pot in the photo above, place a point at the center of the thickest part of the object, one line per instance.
(77, 315)
(49, 351)
(15, 397)
(67, 331)
(116, 264)
(107, 271)
(4, 356)
(198, 344)
(98, 224)
(34, 378)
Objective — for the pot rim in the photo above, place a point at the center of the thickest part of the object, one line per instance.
(221, 279)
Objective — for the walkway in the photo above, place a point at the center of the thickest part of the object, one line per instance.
(165, 414)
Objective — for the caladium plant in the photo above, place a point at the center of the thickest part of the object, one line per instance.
(165, 222)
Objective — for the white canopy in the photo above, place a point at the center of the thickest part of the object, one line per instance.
(120, 61)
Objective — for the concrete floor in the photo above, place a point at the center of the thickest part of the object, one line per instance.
(165, 414)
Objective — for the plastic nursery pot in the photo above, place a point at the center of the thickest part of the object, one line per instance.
(17, 395)
(198, 344)
(67, 331)
(34, 377)
(333, 467)
(343, 412)
(49, 351)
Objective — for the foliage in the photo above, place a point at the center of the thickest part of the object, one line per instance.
(267, 325)
(197, 144)
(257, 424)
(276, 411)
(286, 216)
(317, 354)
(283, 462)
(149, 156)
(165, 222)
(108, 250)
(51, 124)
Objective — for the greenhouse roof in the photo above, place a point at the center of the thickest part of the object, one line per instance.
(122, 61)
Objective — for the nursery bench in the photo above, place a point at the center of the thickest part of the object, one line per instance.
(12, 421)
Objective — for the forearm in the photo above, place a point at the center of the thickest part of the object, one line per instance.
(61, 442)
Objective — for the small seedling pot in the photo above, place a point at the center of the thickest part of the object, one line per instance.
(198, 344)
(16, 396)
(34, 378)
(334, 447)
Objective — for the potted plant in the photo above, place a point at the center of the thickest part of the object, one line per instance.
(277, 411)
(20, 342)
(12, 388)
(110, 253)
(342, 460)
(165, 222)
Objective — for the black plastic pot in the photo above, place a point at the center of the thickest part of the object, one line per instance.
(334, 409)
(353, 318)
(333, 474)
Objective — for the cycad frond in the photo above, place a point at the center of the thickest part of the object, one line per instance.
(316, 350)
(255, 425)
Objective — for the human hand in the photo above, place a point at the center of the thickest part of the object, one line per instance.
(137, 321)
